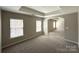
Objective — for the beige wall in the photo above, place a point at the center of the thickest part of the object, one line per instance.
(29, 27)
(78, 28)
(50, 25)
(71, 27)
(0, 30)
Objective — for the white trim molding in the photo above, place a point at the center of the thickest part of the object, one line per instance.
(71, 41)
(17, 42)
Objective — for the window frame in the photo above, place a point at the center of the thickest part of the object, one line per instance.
(20, 35)
(40, 26)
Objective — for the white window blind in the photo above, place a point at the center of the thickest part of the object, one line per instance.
(16, 28)
(38, 25)
(54, 24)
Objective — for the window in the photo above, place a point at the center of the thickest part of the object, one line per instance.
(54, 24)
(38, 25)
(16, 28)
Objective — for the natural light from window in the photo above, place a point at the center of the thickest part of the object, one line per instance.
(16, 28)
(54, 24)
(38, 25)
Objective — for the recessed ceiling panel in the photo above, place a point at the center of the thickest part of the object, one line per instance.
(45, 9)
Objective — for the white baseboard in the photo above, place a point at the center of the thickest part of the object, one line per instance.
(19, 41)
(71, 41)
(78, 45)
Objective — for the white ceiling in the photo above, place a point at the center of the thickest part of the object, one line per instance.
(10, 8)
(45, 9)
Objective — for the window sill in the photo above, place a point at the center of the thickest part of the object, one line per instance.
(16, 37)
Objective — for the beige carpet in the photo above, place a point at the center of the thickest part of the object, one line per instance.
(51, 43)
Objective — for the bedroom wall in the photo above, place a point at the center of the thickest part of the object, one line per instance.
(29, 27)
(71, 26)
(0, 30)
(78, 27)
(50, 25)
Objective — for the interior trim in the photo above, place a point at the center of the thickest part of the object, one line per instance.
(71, 41)
(19, 41)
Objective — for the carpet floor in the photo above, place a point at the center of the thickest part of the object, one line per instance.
(52, 43)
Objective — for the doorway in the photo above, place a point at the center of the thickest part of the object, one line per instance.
(58, 24)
